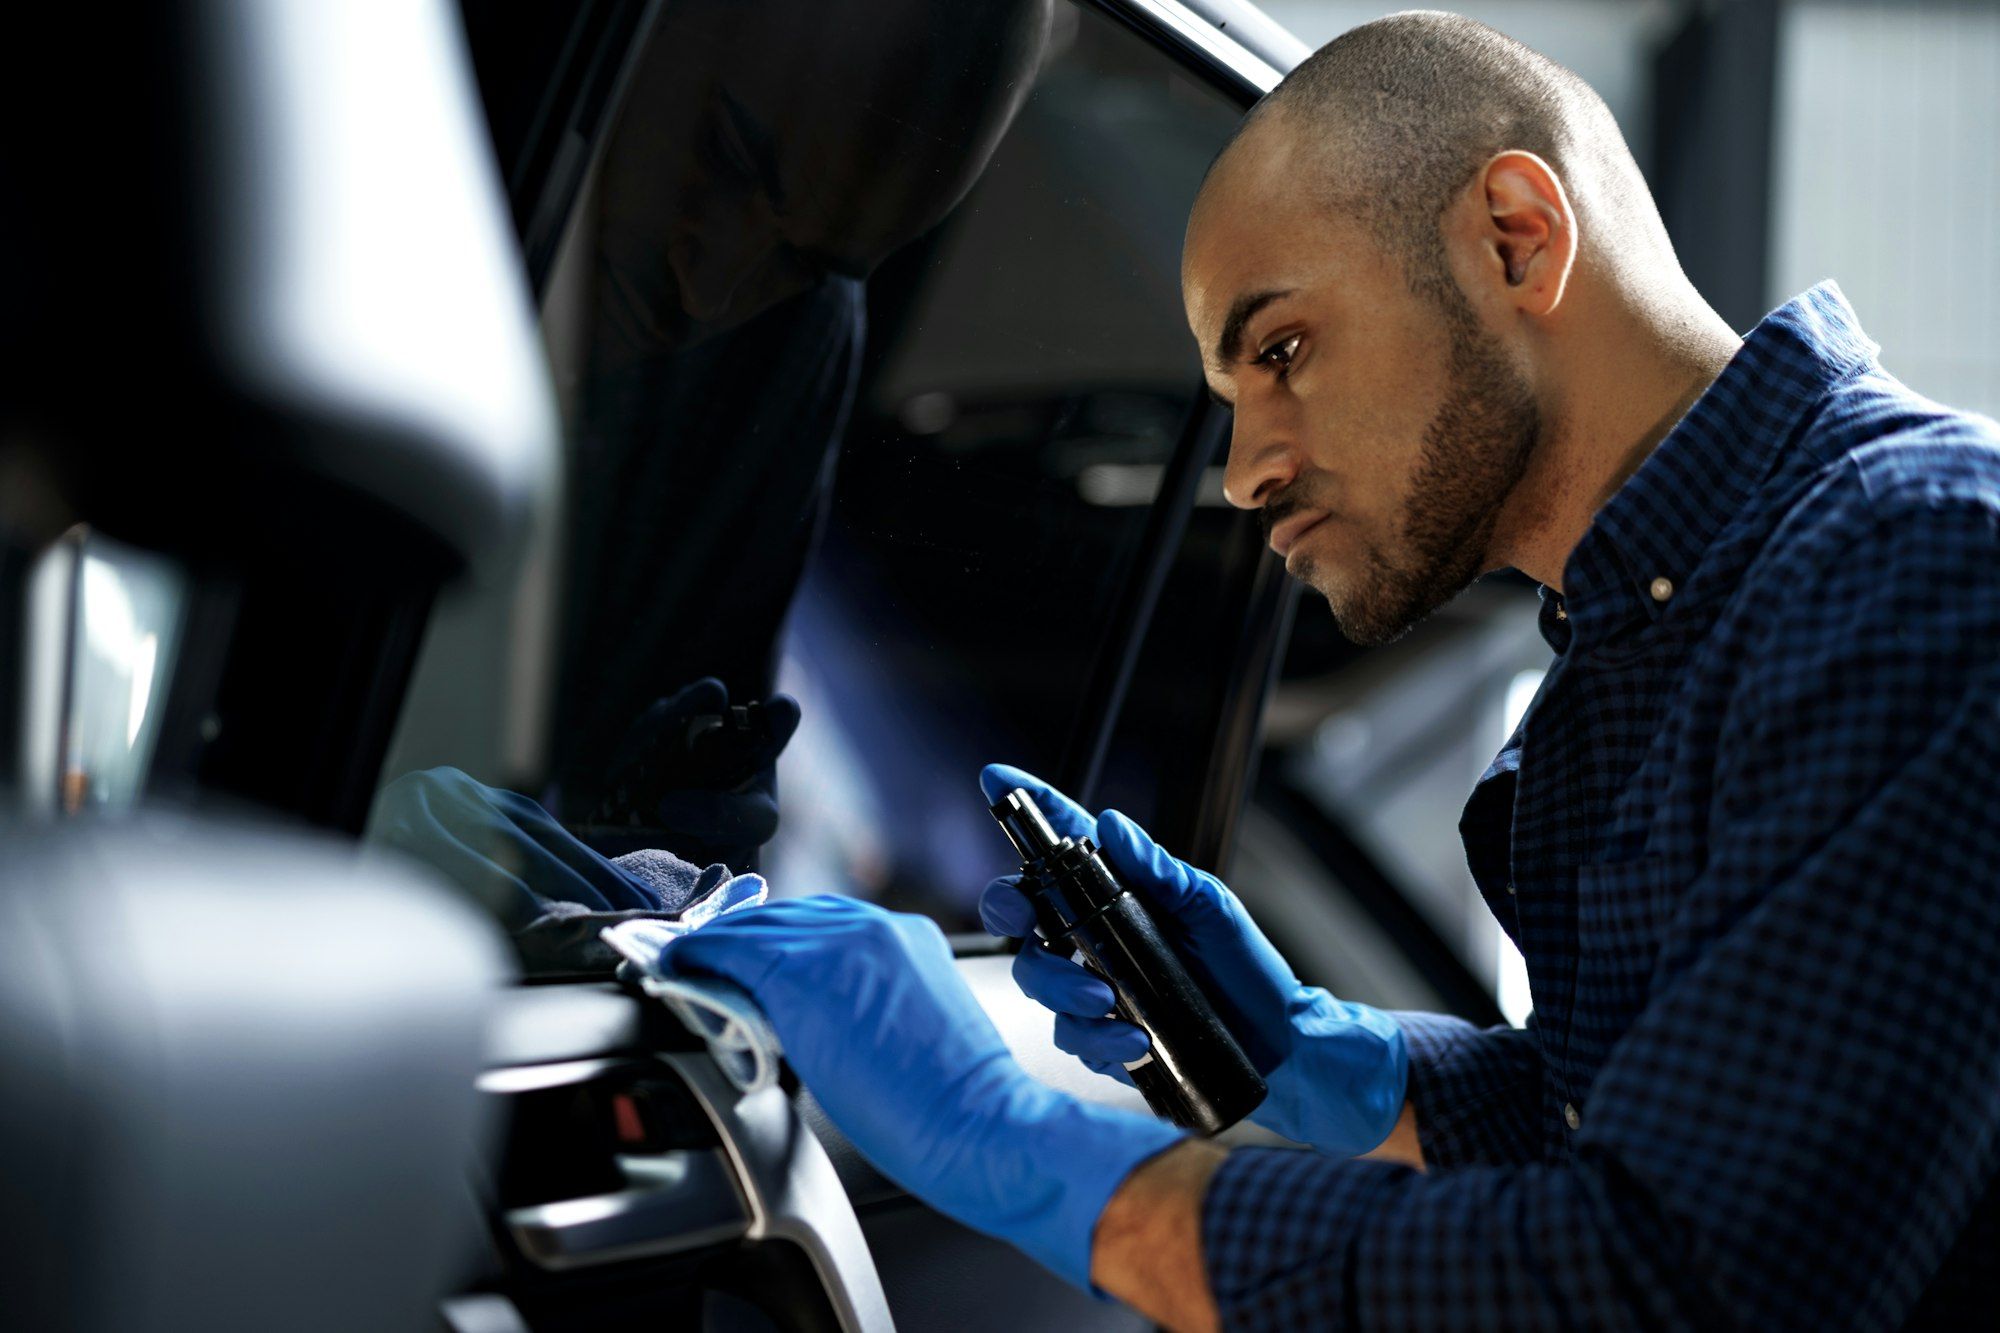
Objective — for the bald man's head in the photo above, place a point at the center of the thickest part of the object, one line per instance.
(1390, 121)
(1394, 272)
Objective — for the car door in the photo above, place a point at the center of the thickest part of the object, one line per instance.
(936, 460)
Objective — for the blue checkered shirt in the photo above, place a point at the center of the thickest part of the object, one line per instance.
(1748, 839)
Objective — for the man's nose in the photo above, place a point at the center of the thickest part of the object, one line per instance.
(1260, 465)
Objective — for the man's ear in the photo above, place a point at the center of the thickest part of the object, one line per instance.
(1528, 234)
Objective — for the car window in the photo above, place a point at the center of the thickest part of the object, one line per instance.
(871, 375)
(995, 486)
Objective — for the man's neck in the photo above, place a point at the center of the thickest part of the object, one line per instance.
(1634, 375)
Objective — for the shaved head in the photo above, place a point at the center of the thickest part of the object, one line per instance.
(1392, 119)
(1399, 270)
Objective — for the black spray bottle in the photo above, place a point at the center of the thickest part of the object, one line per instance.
(1196, 1074)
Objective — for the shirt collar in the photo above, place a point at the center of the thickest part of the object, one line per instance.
(1649, 538)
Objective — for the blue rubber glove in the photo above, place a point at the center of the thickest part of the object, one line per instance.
(502, 847)
(877, 1022)
(718, 809)
(1337, 1071)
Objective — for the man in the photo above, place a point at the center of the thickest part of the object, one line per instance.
(1744, 835)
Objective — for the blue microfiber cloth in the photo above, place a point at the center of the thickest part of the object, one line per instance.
(680, 884)
(720, 1012)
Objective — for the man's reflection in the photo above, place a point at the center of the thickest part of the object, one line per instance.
(771, 154)
(768, 143)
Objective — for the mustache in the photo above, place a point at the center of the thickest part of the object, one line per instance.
(1291, 500)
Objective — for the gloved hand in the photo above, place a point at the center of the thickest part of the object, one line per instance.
(502, 847)
(1336, 1071)
(709, 798)
(878, 1023)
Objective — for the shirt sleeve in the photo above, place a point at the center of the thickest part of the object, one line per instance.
(1807, 1109)
(1477, 1092)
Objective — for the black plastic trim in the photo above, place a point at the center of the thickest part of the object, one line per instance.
(1233, 751)
(14, 566)
(1149, 20)
(1103, 697)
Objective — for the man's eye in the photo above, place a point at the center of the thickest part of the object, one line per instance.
(1278, 356)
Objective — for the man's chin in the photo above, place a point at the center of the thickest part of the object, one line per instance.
(1367, 628)
(1377, 614)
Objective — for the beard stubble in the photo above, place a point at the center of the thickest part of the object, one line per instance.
(1476, 448)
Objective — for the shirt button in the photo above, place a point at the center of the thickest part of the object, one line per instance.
(1510, 888)
(1662, 589)
(1561, 614)
(1570, 1117)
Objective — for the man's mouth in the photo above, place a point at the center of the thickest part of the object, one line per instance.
(1286, 535)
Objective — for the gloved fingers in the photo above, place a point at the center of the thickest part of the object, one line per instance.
(781, 718)
(707, 695)
(723, 949)
(1110, 1069)
(1056, 983)
(1065, 816)
(718, 817)
(1168, 882)
(748, 945)
(1101, 1041)
(1005, 910)
(406, 820)
(756, 756)
(645, 734)
(501, 845)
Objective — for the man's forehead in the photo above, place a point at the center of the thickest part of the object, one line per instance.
(1234, 265)
(1244, 233)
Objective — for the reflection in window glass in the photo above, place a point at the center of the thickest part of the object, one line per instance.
(871, 372)
(994, 486)
(127, 617)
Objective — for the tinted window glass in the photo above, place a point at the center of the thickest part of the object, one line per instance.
(872, 367)
(1182, 735)
(995, 485)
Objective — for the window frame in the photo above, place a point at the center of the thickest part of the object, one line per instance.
(1268, 598)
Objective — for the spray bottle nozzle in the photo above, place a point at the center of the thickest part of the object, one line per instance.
(1025, 825)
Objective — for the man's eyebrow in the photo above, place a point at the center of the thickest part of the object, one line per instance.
(1228, 347)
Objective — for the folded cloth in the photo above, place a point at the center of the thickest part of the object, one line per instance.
(720, 1012)
(681, 884)
(567, 938)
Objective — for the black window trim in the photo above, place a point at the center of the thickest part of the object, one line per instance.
(1210, 53)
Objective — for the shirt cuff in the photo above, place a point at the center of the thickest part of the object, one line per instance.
(1477, 1092)
(1276, 1224)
